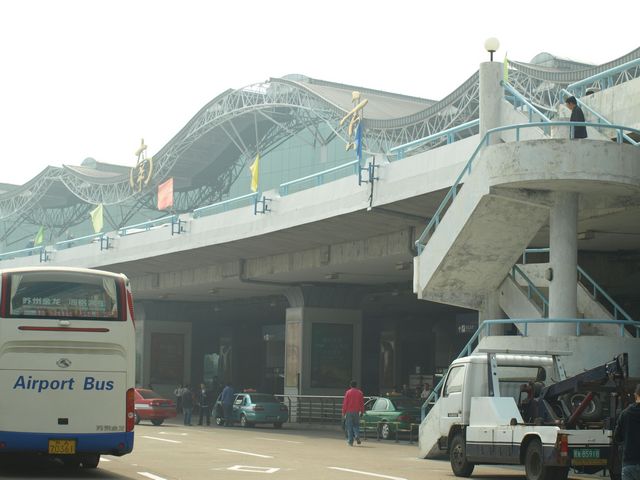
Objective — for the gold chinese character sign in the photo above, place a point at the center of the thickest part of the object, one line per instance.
(354, 116)
(140, 175)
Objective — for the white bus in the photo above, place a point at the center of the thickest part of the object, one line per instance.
(67, 364)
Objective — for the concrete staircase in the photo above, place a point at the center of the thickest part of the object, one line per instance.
(471, 255)
(517, 302)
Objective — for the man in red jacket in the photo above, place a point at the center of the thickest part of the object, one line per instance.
(352, 407)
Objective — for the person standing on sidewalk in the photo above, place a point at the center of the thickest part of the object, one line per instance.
(178, 394)
(204, 402)
(627, 432)
(187, 404)
(227, 397)
(352, 408)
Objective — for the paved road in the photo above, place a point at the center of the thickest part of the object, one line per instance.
(175, 452)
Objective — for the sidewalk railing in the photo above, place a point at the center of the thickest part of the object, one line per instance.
(316, 409)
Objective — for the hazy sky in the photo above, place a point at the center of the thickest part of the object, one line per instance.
(89, 78)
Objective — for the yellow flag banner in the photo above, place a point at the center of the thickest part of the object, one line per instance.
(505, 73)
(97, 218)
(255, 170)
(39, 237)
(165, 195)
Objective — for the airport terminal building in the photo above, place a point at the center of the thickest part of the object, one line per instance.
(261, 251)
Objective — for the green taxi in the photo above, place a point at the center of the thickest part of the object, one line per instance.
(251, 408)
(392, 415)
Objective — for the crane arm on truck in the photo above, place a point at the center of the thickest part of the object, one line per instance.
(550, 405)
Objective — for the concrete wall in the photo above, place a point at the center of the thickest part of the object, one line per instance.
(619, 105)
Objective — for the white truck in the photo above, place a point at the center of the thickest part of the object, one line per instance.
(520, 409)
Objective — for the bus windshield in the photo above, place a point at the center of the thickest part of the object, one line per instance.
(74, 295)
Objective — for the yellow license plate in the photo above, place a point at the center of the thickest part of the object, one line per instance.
(62, 447)
(589, 461)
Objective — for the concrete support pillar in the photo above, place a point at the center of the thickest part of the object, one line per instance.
(323, 350)
(157, 333)
(491, 311)
(323, 339)
(563, 260)
(491, 93)
(142, 356)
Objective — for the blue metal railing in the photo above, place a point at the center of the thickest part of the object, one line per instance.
(591, 285)
(24, 252)
(607, 75)
(224, 205)
(453, 191)
(596, 290)
(448, 134)
(533, 292)
(520, 99)
(146, 226)
(317, 178)
(486, 325)
(78, 241)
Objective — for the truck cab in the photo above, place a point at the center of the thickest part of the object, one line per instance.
(466, 378)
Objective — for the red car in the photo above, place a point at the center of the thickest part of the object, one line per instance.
(150, 405)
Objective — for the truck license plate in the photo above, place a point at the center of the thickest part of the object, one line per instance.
(588, 456)
(62, 447)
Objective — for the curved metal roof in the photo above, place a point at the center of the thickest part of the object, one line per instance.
(208, 153)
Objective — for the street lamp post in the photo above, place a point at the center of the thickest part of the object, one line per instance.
(491, 45)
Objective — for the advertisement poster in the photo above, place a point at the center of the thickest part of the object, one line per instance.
(331, 355)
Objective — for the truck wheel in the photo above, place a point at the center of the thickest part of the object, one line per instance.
(136, 418)
(157, 421)
(458, 457)
(536, 469)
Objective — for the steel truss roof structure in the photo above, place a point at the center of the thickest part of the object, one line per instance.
(206, 156)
